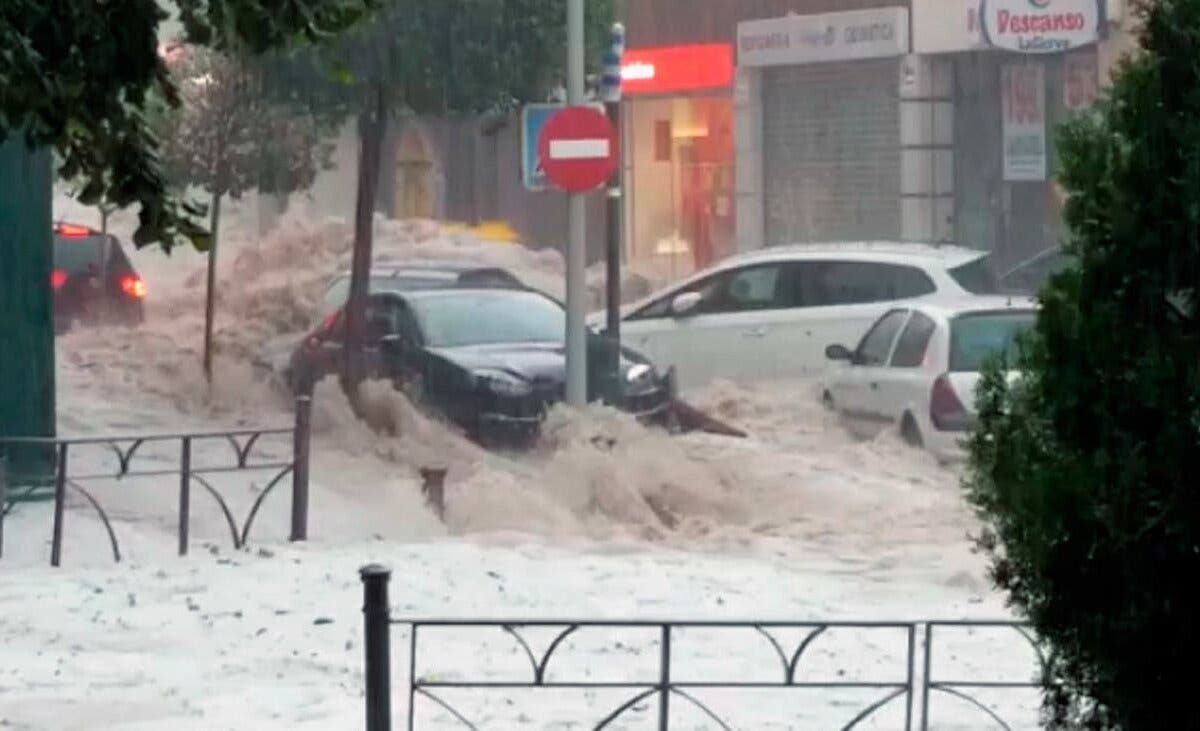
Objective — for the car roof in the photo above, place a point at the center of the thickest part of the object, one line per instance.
(449, 265)
(953, 307)
(446, 292)
(892, 252)
(426, 269)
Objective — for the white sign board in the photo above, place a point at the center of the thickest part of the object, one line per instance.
(946, 26)
(1040, 26)
(1081, 81)
(801, 39)
(1023, 104)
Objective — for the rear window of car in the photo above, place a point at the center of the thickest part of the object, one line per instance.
(76, 255)
(975, 337)
(976, 277)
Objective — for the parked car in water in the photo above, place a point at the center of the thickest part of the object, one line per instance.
(918, 367)
(490, 360)
(93, 280)
(413, 274)
(769, 314)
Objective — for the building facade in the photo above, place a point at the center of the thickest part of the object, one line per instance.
(923, 120)
(1011, 71)
(709, 168)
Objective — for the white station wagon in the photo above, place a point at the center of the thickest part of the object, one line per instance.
(918, 367)
(769, 314)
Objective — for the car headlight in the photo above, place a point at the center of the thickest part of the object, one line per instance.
(640, 374)
(503, 384)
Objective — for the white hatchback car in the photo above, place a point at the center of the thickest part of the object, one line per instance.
(769, 314)
(918, 368)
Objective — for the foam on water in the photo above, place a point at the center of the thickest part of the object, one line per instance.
(798, 483)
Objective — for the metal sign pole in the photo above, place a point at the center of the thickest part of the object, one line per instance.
(577, 228)
(612, 105)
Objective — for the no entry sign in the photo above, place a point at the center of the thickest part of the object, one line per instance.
(577, 149)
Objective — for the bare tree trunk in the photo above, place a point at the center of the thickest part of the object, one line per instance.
(210, 292)
(372, 125)
(271, 207)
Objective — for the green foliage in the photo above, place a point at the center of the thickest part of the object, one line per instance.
(1084, 470)
(227, 137)
(445, 57)
(76, 75)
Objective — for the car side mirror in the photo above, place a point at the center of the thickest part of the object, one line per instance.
(685, 304)
(839, 352)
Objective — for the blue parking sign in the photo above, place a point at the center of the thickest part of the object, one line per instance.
(533, 118)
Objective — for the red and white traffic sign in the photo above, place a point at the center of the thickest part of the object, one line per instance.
(577, 148)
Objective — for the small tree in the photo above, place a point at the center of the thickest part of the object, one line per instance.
(227, 139)
(1084, 470)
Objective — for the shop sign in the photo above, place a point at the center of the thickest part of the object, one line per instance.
(1023, 104)
(946, 26)
(1040, 26)
(801, 39)
(676, 69)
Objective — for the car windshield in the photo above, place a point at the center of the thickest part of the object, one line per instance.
(976, 277)
(481, 318)
(977, 336)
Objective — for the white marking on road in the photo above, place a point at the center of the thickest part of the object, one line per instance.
(578, 149)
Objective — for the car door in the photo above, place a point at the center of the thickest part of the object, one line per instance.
(905, 385)
(652, 329)
(726, 335)
(857, 393)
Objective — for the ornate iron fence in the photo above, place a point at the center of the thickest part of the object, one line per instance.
(242, 458)
(914, 677)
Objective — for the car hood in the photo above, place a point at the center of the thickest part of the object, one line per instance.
(543, 362)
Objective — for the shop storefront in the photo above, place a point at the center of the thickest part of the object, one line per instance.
(1018, 69)
(678, 157)
(819, 127)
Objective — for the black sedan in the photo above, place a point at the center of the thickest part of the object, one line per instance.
(490, 360)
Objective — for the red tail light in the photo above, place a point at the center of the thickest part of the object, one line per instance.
(71, 231)
(57, 279)
(330, 319)
(946, 411)
(133, 286)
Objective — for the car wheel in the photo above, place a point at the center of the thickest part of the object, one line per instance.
(911, 433)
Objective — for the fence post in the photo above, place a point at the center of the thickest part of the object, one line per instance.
(928, 667)
(301, 443)
(377, 642)
(664, 688)
(3, 498)
(60, 500)
(185, 494)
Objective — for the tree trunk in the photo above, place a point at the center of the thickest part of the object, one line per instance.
(210, 290)
(271, 207)
(372, 125)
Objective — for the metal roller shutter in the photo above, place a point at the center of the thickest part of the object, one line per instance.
(831, 152)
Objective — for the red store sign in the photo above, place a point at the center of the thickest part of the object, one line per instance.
(675, 69)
